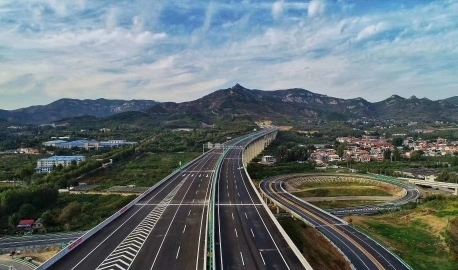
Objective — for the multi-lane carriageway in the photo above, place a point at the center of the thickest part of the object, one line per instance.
(167, 228)
(246, 237)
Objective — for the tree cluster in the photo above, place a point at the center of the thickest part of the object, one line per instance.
(40, 197)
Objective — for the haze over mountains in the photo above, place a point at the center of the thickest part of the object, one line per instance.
(280, 105)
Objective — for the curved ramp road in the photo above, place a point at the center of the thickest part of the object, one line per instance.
(246, 238)
(164, 230)
(412, 194)
(363, 252)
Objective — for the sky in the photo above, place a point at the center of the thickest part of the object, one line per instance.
(181, 50)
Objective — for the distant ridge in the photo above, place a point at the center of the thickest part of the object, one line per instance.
(237, 102)
(68, 108)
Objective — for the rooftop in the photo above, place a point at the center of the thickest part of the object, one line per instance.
(63, 158)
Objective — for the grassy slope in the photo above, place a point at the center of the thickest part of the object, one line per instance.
(341, 204)
(143, 170)
(418, 236)
(347, 191)
(335, 184)
(315, 248)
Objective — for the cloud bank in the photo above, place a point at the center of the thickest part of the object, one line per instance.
(180, 50)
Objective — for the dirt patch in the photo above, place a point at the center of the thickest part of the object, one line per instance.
(427, 216)
(40, 255)
(284, 128)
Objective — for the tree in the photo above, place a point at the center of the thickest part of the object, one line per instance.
(47, 219)
(59, 167)
(13, 220)
(341, 149)
(387, 154)
(416, 155)
(446, 176)
(397, 141)
(396, 155)
(70, 211)
(27, 211)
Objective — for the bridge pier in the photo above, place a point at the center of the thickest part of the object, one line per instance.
(456, 191)
(257, 146)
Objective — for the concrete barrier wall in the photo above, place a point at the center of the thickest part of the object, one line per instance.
(97, 228)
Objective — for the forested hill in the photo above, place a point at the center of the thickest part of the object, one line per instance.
(221, 107)
(292, 105)
(67, 108)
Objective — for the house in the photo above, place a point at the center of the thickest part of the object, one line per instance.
(28, 151)
(364, 158)
(47, 164)
(53, 143)
(268, 160)
(25, 224)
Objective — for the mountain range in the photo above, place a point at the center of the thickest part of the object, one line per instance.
(281, 106)
(68, 108)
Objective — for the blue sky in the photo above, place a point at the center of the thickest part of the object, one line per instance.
(180, 50)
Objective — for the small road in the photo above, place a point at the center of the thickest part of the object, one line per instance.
(17, 242)
(412, 194)
(363, 252)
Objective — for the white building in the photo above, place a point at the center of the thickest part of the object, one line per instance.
(47, 164)
(268, 160)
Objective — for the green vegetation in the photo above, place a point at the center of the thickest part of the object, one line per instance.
(336, 192)
(316, 249)
(158, 153)
(259, 171)
(413, 243)
(336, 184)
(21, 203)
(425, 237)
(82, 211)
(341, 204)
(140, 169)
(17, 167)
(452, 237)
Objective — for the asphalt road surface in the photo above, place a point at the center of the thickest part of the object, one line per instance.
(36, 240)
(412, 193)
(245, 237)
(363, 252)
(165, 230)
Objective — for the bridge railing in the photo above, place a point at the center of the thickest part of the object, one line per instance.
(104, 223)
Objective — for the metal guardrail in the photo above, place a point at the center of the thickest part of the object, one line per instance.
(211, 261)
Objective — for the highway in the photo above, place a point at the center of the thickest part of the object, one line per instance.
(245, 238)
(165, 230)
(36, 240)
(363, 252)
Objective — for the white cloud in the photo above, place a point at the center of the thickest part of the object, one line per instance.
(130, 51)
(316, 8)
(371, 30)
(277, 9)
